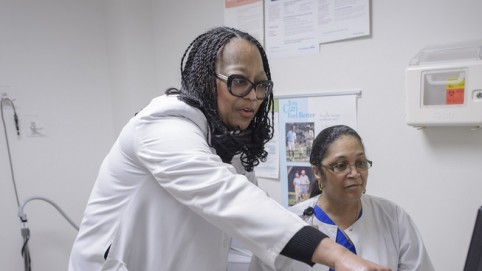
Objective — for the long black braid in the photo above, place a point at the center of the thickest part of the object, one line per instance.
(199, 90)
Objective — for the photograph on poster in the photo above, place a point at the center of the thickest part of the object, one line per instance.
(300, 180)
(299, 138)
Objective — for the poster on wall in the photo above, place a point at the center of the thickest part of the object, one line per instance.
(245, 15)
(297, 27)
(341, 20)
(290, 27)
(300, 119)
(270, 168)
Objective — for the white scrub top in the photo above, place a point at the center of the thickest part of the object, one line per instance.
(163, 200)
(384, 234)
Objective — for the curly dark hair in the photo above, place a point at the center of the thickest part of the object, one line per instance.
(198, 89)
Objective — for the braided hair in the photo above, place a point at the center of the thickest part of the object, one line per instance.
(198, 89)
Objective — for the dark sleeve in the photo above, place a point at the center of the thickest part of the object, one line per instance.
(303, 244)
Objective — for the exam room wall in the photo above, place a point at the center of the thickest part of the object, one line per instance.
(53, 57)
(84, 67)
(433, 173)
(80, 69)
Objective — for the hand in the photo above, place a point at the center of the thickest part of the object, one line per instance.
(352, 262)
(341, 259)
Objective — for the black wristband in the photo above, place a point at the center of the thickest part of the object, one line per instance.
(303, 244)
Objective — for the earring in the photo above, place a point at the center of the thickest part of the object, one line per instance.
(320, 186)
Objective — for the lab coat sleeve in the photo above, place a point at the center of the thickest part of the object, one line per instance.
(176, 153)
(257, 265)
(283, 264)
(413, 256)
(113, 265)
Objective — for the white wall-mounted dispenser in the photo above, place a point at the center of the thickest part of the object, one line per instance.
(444, 86)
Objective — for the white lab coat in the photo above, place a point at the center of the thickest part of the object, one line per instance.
(164, 201)
(384, 234)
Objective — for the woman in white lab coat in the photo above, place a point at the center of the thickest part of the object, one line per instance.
(175, 186)
(374, 228)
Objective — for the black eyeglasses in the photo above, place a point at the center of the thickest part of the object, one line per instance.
(360, 165)
(241, 86)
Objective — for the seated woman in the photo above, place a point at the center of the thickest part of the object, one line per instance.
(371, 227)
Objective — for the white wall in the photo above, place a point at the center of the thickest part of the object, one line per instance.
(53, 57)
(132, 62)
(84, 67)
(81, 68)
(432, 173)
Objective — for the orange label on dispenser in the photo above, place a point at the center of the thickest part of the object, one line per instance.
(455, 91)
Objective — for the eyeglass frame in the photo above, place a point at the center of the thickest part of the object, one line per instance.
(229, 79)
(349, 168)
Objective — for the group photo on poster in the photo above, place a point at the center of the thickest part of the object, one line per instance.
(300, 180)
(299, 139)
(300, 119)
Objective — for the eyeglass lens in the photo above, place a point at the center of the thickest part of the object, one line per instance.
(344, 167)
(240, 86)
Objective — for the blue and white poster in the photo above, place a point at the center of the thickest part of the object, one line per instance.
(299, 121)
